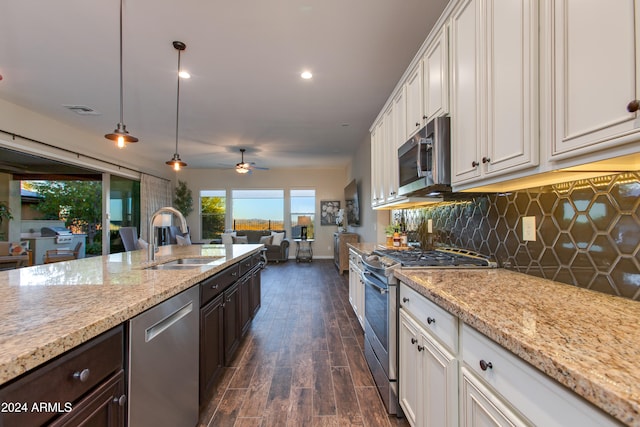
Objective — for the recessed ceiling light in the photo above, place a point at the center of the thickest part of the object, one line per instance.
(306, 75)
(184, 75)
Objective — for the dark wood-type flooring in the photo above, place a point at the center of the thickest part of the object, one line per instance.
(301, 363)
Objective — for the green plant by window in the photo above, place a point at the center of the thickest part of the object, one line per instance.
(184, 199)
(5, 212)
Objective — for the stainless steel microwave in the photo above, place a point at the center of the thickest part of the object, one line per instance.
(425, 160)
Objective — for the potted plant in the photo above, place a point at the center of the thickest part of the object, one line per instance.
(184, 199)
(5, 213)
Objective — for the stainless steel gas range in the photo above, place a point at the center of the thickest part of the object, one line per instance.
(381, 307)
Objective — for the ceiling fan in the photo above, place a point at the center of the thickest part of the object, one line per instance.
(244, 167)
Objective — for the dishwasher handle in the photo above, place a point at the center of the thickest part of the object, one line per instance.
(159, 327)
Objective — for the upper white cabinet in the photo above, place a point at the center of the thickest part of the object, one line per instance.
(435, 76)
(414, 92)
(595, 74)
(494, 47)
(377, 163)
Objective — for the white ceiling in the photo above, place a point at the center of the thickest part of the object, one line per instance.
(245, 57)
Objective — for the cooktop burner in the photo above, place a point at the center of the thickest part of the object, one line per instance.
(445, 257)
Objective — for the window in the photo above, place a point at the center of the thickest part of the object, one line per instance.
(303, 212)
(213, 208)
(258, 209)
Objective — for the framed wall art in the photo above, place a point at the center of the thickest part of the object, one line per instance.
(328, 211)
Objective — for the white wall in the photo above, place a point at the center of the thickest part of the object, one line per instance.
(23, 122)
(328, 183)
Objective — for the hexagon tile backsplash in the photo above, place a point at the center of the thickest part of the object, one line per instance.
(587, 232)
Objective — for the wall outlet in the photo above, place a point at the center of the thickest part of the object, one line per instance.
(429, 225)
(529, 228)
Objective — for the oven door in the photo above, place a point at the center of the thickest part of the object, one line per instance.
(377, 317)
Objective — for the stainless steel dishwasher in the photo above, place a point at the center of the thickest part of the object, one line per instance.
(163, 363)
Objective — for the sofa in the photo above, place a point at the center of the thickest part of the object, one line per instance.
(274, 253)
(21, 258)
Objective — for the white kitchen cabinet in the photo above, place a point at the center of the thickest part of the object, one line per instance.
(516, 390)
(356, 286)
(480, 407)
(435, 76)
(414, 92)
(595, 75)
(377, 164)
(494, 111)
(428, 367)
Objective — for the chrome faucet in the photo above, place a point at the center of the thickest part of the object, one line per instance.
(152, 240)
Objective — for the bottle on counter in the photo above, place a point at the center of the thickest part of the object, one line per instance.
(404, 239)
(396, 239)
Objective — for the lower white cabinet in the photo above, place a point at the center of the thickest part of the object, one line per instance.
(508, 379)
(428, 377)
(356, 286)
(452, 375)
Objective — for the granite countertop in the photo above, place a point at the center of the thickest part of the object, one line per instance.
(49, 309)
(586, 340)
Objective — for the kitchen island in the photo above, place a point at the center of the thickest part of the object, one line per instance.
(47, 310)
(585, 340)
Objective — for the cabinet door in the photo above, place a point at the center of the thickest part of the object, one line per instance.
(244, 289)
(256, 291)
(413, 85)
(481, 408)
(211, 343)
(440, 382)
(104, 406)
(232, 325)
(410, 375)
(435, 68)
(466, 123)
(388, 169)
(377, 159)
(512, 88)
(595, 74)
(360, 298)
(352, 285)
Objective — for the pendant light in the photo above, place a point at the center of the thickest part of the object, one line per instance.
(176, 162)
(120, 134)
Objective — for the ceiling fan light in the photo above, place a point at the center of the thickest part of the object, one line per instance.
(241, 168)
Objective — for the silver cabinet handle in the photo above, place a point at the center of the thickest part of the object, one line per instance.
(82, 376)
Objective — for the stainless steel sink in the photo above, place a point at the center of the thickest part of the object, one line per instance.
(185, 263)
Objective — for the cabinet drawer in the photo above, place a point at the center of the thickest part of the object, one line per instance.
(246, 265)
(442, 324)
(217, 283)
(65, 379)
(526, 388)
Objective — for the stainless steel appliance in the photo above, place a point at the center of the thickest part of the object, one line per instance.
(163, 363)
(381, 305)
(424, 161)
(62, 234)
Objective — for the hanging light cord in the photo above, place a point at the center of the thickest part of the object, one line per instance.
(178, 99)
(121, 73)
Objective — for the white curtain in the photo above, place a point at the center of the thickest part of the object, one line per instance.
(154, 194)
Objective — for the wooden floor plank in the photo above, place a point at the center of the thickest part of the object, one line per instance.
(301, 362)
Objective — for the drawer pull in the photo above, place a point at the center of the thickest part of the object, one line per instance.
(431, 320)
(405, 299)
(120, 401)
(474, 164)
(215, 286)
(82, 376)
(413, 340)
(485, 365)
(234, 273)
(420, 347)
(633, 106)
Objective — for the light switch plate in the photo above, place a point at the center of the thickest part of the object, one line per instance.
(429, 225)
(529, 228)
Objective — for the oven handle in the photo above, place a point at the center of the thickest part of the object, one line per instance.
(366, 281)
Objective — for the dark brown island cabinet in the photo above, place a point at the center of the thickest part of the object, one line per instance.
(85, 386)
(229, 301)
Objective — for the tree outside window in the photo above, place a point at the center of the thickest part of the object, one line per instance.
(213, 208)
